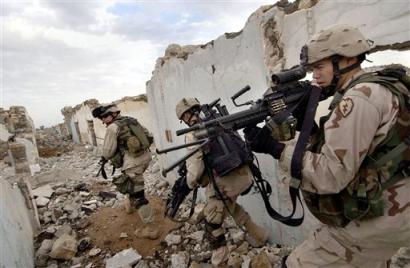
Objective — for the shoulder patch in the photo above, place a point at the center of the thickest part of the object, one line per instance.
(346, 106)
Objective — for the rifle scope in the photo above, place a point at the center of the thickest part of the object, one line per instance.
(294, 74)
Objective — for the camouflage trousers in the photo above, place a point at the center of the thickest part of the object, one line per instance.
(130, 181)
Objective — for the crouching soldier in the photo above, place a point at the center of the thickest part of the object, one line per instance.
(224, 184)
(126, 146)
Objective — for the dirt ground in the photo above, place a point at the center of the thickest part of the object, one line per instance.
(107, 224)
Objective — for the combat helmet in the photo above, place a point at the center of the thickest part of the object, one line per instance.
(341, 39)
(103, 110)
(186, 104)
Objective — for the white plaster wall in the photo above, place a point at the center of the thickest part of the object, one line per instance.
(137, 109)
(16, 231)
(241, 61)
(384, 22)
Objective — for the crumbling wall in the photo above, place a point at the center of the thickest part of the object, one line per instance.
(16, 229)
(18, 132)
(270, 41)
(88, 130)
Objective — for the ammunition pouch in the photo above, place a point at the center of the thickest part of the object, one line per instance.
(361, 200)
(124, 183)
(134, 146)
(226, 163)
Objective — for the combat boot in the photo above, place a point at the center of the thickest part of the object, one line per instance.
(256, 235)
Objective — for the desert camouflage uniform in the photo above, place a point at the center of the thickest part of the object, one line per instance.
(231, 186)
(360, 122)
(132, 166)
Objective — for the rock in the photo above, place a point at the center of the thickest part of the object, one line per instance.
(125, 257)
(84, 194)
(197, 236)
(43, 191)
(45, 235)
(87, 209)
(82, 186)
(63, 229)
(147, 232)
(123, 235)
(237, 235)
(246, 262)
(107, 195)
(261, 261)
(45, 247)
(179, 260)
(141, 264)
(64, 248)
(90, 202)
(173, 239)
(41, 260)
(200, 265)
(94, 252)
(84, 244)
(234, 260)
(82, 223)
(202, 256)
(42, 201)
(243, 248)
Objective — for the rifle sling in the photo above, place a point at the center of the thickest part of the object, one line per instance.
(191, 211)
(265, 189)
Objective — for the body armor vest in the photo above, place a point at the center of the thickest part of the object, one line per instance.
(227, 152)
(131, 138)
(389, 163)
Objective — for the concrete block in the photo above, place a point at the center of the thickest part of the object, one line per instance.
(123, 258)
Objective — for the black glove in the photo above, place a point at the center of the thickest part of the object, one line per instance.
(102, 161)
(261, 141)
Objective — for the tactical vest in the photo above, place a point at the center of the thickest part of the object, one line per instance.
(389, 163)
(131, 138)
(227, 152)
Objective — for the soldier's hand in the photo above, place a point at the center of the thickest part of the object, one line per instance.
(261, 141)
(102, 161)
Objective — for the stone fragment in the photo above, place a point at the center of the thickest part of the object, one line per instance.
(94, 252)
(107, 195)
(64, 248)
(45, 247)
(123, 235)
(261, 260)
(234, 260)
(42, 201)
(44, 191)
(125, 257)
(197, 236)
(173, 239)
(179, 260)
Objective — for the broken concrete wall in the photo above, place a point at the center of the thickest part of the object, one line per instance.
(88, 130)
(16, 230)
(270, 41)
(18, 127)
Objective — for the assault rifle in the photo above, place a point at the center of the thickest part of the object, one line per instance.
(178, 194)
(284, 103)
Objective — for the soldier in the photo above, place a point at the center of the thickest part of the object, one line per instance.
(126, 145)
(224, 184)
(353, 181)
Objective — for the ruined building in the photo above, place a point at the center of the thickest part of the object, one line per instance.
(17, 140)
(85, 129)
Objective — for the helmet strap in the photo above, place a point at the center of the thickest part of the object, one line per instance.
(337, 72)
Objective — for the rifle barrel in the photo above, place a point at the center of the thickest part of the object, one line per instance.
(179, 147)
(172, 166)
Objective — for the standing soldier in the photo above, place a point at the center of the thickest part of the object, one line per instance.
(356, 170)
(126, 146)
(224, 184)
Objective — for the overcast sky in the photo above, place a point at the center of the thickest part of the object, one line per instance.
(61, 52)
(56, 53)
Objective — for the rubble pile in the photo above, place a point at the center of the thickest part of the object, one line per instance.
(52, 142)
(84, 224)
